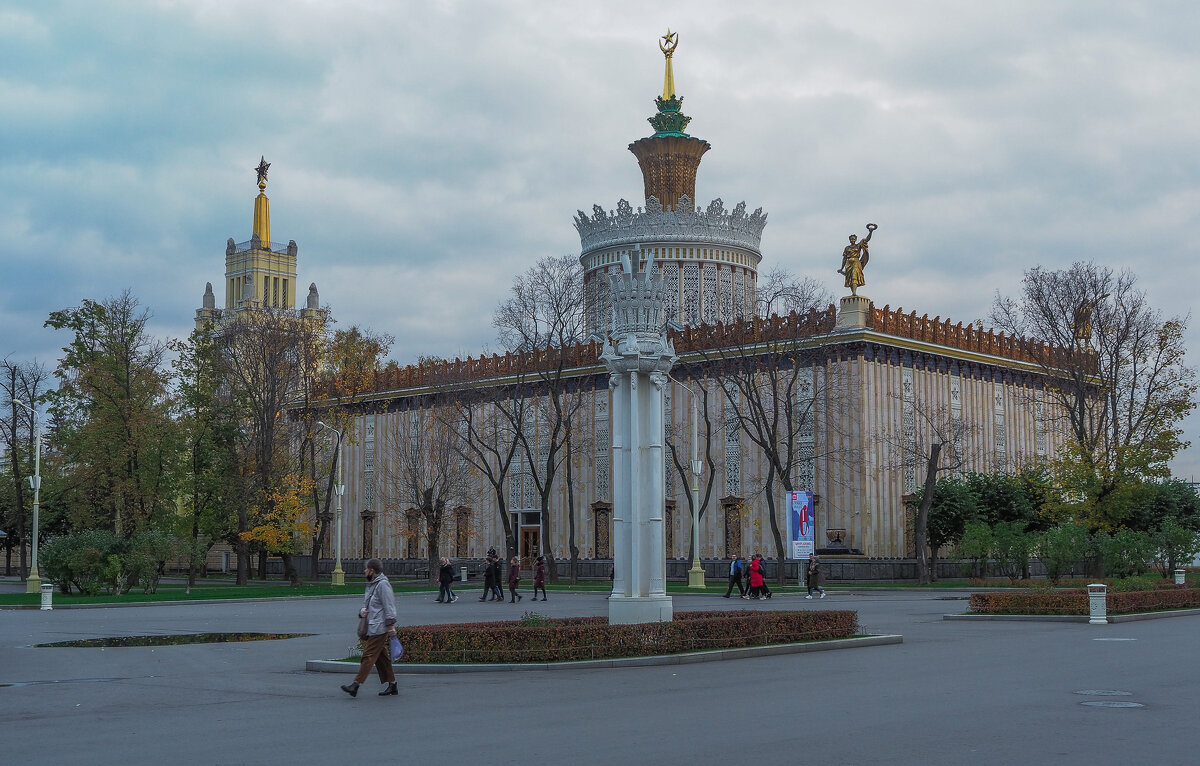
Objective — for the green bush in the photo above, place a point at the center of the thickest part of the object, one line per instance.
(1061, 547)
(1176, 544)
(1011, 546)
(585, 638)
(96, 560)
(148, 553)
(1125, 552)
(976, 545)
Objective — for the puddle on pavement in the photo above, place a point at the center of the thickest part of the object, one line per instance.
(173, 640)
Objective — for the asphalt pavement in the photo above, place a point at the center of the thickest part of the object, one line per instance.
(952, 693)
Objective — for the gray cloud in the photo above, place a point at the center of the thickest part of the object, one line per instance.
(426, 153)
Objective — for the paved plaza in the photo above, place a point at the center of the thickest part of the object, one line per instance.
(952, 693)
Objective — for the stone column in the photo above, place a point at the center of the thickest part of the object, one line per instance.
(638, 356)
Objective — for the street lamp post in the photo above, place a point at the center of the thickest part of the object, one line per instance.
(338, 577)
(33, 584)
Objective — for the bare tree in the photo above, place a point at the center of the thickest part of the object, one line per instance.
(543, 318)
(780, 292)
(940, 442)
(425, 470)
(1117, 380)
(681, 452)
(24, 382)
(772, 383)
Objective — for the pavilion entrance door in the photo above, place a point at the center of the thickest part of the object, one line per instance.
(531, 544)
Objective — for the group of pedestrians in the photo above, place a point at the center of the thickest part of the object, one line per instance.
(753, 574)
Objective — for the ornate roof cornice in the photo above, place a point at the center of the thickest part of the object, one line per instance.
(685, 223)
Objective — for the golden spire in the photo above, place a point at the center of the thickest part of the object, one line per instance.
(669, 42)
(262, 206)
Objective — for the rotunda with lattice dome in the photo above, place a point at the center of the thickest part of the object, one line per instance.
(708, 256)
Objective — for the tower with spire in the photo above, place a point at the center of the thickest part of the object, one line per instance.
(259, 273)
(708, 257)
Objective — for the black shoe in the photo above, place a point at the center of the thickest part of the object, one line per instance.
(390, 690)
(726, 595)
(520, 597)
(483, 599)
(351, 689)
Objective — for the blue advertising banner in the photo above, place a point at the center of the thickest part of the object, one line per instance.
(800, 523)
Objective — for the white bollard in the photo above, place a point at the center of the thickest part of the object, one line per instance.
(1179, 578)
(47, 596)
(1098, 604)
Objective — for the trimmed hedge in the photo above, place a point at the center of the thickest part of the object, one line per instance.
(1075, 602)
(537, 639)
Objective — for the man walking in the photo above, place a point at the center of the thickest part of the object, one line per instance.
(735, 577)
(379, 614)
(489, 580)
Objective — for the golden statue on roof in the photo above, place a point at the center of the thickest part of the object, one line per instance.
(854, 259)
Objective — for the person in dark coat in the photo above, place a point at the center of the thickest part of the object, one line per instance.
(445, 577)
(497, 578)
(489, 579)
(813, 572)
(514, 577)
(735, 577)
(539, 578)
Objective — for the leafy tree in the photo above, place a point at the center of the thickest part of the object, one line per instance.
(280, 523)
(1116, 380)
(345, 367)
(954, 505)
(1011, 547)
(112, 416)
(1007, 497)
(977, 542)
(263, 354)
(1125, 552)
(1061, 548)
(1176, 544)
(938, 444)
(207, 469)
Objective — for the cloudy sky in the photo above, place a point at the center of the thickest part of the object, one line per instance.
(423, 153)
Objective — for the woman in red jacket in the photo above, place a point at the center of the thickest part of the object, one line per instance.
(756, 578)
(514, 577)
(539, 578)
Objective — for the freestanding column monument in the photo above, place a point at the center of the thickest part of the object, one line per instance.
(638, 356)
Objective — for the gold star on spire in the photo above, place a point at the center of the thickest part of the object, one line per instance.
(262, 168)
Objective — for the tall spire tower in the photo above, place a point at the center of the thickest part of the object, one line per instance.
(669, 158)
(260, 273)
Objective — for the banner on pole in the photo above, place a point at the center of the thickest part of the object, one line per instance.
(801, 523)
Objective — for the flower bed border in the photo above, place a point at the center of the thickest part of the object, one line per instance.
(1075, 602)
(592, 638)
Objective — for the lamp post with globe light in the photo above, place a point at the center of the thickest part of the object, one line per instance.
(33, 584)
(338, 577)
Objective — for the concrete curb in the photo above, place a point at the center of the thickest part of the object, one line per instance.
(335, 666)
(1112, 618)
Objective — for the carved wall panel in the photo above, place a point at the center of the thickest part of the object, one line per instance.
(691, 294)
(709, 300)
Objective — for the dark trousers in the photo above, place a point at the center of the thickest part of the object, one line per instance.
(376, 652)
(512, 591)
(498, 589)
(444, 592)
(814, 583)
(536, 588)
(736, 579)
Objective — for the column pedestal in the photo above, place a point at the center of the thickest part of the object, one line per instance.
(855, 312)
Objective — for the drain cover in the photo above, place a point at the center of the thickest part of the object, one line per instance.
(1104, 693)
(1111, 703)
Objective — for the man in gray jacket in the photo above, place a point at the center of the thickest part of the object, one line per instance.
(379, 611)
